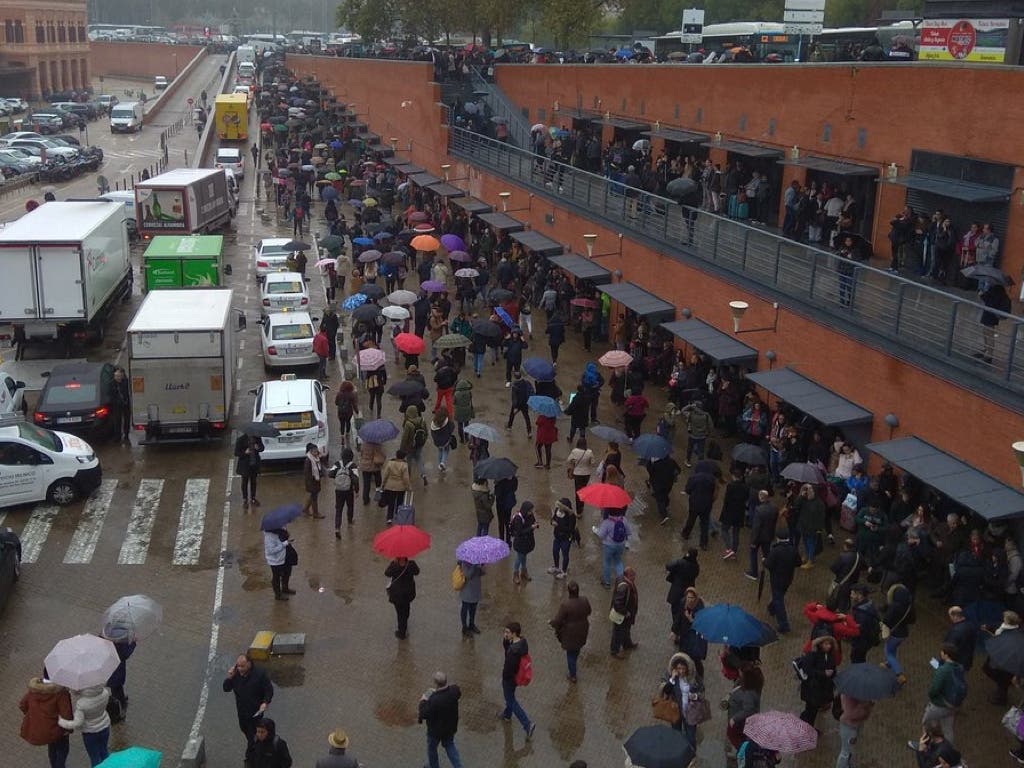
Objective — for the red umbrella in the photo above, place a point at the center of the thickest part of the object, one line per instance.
(401, 541)
(418, 216)
(410, 343)
(588, 303)
(604, 495)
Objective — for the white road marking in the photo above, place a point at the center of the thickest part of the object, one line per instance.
(239, 363)
(237, 403)
(33, 536)
(140, 528)
(87, 534)
(190, 527)
(241, 345)
(3, 516)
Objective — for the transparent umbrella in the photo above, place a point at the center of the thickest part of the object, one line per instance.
(138, 615)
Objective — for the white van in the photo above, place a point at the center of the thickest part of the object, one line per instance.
(246, 69)
(297, 408)
(39, 464)
(126, 117)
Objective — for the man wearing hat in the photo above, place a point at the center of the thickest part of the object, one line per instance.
(336, 757)
(868, 621)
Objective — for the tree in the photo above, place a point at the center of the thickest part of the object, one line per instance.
(370, 19)
(570, 22)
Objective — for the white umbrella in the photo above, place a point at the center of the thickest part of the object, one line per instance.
(402, 297)
(466, 272)
(641, 145)
(483, 432)
(81, 661)
(395, 313)
(136, 616)
(538, 127)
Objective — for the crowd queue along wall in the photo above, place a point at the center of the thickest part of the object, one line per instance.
(799, 98)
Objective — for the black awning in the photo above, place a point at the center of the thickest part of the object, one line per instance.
(538, 243)
(444, 189)
(384, 150)
(644, 304)
(471, 205)
(501, 222)
(424, 179)
(977, 491)
(816, 401)
(722, 348)
(967, 191)
(744, 148)
(582, 268)
(371, 138)
(677, 134)
(837, 167)
(395, 161)
(408, 169)
(623, 124)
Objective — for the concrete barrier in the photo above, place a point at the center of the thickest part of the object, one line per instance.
(194, 754)
(206, 139)
(173, 86)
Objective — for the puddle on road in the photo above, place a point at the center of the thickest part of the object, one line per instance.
(396, 712)
(288, 675)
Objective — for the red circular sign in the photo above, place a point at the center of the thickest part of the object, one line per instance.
(962, 39)
(190, 101)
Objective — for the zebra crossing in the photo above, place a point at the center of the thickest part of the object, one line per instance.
(137, 513)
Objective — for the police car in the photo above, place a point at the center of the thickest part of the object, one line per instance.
(297, 408)
(284, 290)
(287, 340)
(39, 464)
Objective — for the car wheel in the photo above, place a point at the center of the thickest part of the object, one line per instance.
(62, 492)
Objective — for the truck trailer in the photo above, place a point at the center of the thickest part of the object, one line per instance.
(185, 201)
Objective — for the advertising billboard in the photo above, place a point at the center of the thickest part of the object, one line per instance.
(977, 40)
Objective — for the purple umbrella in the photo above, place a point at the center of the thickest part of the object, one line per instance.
(453, 243)
(378, 431)
(481, 549)
(367, 256)
(458, 255)
(329, 193)
(433, 286)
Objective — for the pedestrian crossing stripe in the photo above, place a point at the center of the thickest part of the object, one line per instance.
(138, 535)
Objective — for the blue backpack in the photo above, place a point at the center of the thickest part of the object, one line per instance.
(619, 533)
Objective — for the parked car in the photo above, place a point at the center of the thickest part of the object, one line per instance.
(46, 122)
(18, 105)
(21, 135)
(51, 148)
(10, 564)
(159, 82)
(270, 256)
(40, 464)
(78, 397)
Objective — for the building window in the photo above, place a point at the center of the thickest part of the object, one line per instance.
(71, 33)
(40, 33)
(62, 32)
(8, 31)
(81, 34)
(19, 32)
(51, 32)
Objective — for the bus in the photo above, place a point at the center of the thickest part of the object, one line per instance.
(762, 39)
(846, 43)
(231, 113)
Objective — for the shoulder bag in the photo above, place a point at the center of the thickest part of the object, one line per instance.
(832, 600)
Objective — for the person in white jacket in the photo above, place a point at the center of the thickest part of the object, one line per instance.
(90, 717)
(275, 550)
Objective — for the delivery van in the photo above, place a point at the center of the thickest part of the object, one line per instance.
(126, 117)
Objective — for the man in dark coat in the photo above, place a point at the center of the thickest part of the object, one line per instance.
(865, 614)
(963, 633)
(762, 531)
(122, 401)
(336, 756)
(846, 569)
(662, 474)
(421, 312)
(781, 563)
(268, 750)
(626, 603)
(522, 389)
(253, 693)
(330, 324)
(572, 626)
(439, 709)
(682, 574)
(700, 491)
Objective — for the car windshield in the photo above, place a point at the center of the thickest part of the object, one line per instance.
(294, 420)
(41, 437)
(122, 112)
(71, 393)
(296, 332)
(284, 286)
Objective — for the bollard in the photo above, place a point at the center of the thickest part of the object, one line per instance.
(194, 754)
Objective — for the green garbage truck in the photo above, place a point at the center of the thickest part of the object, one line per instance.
(191, 261)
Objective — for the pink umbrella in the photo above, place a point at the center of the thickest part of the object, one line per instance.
(325, 262)
(615, 358)
(433, 286)
(418, 216)
(781, 731)
(371, 359)
(458, 255)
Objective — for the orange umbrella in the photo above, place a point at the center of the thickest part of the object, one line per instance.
(425, 243)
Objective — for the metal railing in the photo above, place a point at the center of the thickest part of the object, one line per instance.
(501, 106)
(935, 329)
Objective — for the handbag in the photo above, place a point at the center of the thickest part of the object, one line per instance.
(887, 630)
(665, 708)
(291, 557)
(453, 443)
(698, 710)
(1012, 721)
(617, 618)
(836, 588)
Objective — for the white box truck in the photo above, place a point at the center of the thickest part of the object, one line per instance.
(245, 54)
(185, 201)
(63, 268)
(181, 365)
(126, 117)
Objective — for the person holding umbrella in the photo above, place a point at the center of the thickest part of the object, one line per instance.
(371, 460)
(280, 556)
(89, 707)
(547, 435)
(401, 590)
(469, 596)
(43, 705)
(247, 465)
(504, 501)
(483, 504)
(124, 643)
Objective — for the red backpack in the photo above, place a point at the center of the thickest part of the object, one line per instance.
(524, 675)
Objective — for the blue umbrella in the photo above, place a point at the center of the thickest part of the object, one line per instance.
(505, 316)
(133, 757)
(355, 203)
(539, 369)
(329, 193)
(280, 517)
(378, 431)
(353, 302)
(362, 241)
(652, 447)
(544, 405)
(483, 432)
(383, 236)
(623, 53)
(731, 625)
(609, 434)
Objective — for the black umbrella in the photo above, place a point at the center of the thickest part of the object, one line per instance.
(406, 388)
(487, 329)
(295, 245)
(500, 294)
(867, 682)
(261, 429)
(745, 453)
(372, 291)
(1006, 651)
(659, 746)
(367, 313)
(986, 272)
(494, 468)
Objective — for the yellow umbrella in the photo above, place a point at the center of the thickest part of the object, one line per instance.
(369, 202)
(425, 243)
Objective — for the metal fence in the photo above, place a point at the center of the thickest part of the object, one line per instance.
(502, 108)
(939, 329)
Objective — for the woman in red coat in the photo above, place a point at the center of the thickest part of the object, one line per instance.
(547, 435)
(825, 622)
